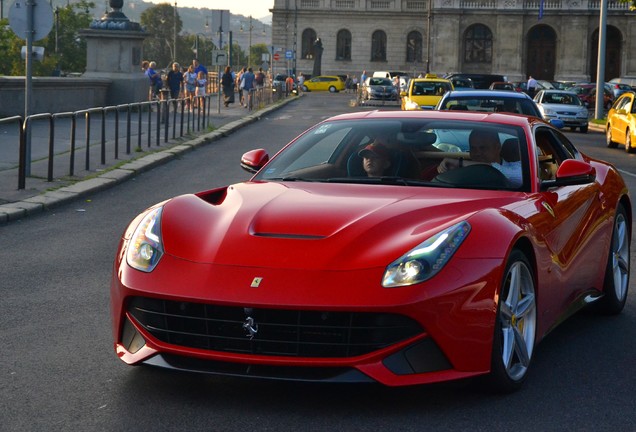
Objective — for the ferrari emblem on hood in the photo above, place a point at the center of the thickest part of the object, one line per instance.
(256, 282)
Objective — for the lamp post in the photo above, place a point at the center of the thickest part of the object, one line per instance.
(429, 17)
(249, 51)
(175, 32)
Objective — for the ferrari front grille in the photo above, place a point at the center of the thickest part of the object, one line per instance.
(274, 332)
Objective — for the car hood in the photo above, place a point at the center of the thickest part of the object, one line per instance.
(313, 225)
(563, 107)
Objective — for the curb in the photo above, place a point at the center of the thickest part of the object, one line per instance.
(48, 200)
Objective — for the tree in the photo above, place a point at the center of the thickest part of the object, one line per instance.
(71, 48)
(159, 22)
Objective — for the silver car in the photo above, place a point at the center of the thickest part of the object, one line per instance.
(565, 106)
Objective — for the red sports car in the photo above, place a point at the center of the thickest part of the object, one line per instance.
(378, 246)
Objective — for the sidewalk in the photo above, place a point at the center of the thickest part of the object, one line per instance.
(40, 194)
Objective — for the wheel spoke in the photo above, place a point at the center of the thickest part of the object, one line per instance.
(525, 307)
(514, 288)
(520, 348)
(508, 346)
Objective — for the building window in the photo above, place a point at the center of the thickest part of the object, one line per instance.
(378, 46)
(309, 38)
(343, 45)
(478, 44)
(414, 47)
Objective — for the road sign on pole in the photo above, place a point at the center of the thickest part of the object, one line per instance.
(276, 56)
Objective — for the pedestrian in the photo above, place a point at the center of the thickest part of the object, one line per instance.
(363, 77)
(246, 86)
(531, 86)
(239, 77)
(175, 81)
(259, 78)
(190, 84)
(199, 67)
(202, 82)
(227, 83)
(154, 79)
(301, 82)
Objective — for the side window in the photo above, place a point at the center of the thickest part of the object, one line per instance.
(552, 149)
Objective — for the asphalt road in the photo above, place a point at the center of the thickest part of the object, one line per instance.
(59, 372)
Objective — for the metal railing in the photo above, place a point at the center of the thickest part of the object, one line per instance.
(144, 124)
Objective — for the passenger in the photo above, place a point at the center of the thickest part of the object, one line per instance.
(485, 148)
(376, 159)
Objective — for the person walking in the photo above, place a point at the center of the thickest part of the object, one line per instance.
(531, 86)
(175, 81)
(247, 84)
(227, 83)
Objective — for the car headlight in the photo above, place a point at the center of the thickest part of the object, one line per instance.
(428, 258)
(549, 112)
(146, 247)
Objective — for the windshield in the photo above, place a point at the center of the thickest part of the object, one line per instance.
(515, 105)
(403, 152)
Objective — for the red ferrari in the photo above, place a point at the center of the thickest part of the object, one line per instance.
(394, 247)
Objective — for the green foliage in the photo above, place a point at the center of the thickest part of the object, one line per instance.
(71, 48)
(161, 22)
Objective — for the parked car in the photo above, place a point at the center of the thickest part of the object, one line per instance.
(489, 101)
(313, 271)
(461, 83)
(565, 106)
(379, 89)
(480, 81)
(587, 94)
(620, 127)
(324, 83)
(617, 89)
(502, 85)
(630, 81)
(424, 93)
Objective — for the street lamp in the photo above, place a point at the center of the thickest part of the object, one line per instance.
(249, 52)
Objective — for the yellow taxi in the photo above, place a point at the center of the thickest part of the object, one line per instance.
(324, 82)
(424, 93)
(621, 122)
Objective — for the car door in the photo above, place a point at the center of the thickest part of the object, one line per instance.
(566, 218)
(620, 118)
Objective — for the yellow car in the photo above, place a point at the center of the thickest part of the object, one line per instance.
(424, 93)
(323, 82)
(621, 122)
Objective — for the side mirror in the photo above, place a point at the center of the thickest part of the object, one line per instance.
(402, 94)
(254, 160)
(571, 172)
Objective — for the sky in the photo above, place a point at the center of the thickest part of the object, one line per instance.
(256, 8)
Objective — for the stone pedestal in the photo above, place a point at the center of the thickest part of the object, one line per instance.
(116, 55)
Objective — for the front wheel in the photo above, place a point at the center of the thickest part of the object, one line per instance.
(608, 137)
(618, 264)
(305, 89)
(515, 325)
(628, 142)
(583, 129)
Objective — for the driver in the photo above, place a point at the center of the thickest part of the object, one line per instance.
(485, 148)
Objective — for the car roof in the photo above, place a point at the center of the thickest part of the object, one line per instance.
(488, 93)
(489, 117)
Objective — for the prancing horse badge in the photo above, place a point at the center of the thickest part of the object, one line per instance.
(256, 282)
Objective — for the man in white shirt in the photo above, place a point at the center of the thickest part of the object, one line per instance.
(485, 148)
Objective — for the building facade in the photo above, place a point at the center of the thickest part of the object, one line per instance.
(549, 39)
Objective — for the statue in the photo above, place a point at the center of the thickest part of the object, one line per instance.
(317, 56)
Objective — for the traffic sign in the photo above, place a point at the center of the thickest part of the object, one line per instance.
(276, 56)
(288, 54)
(42, 19)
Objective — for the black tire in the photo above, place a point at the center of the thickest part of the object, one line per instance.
(332, 89)
(608, 137)
(618, 266)
(515, 326)
(305, 89)
(583, 129)
(628, 142)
